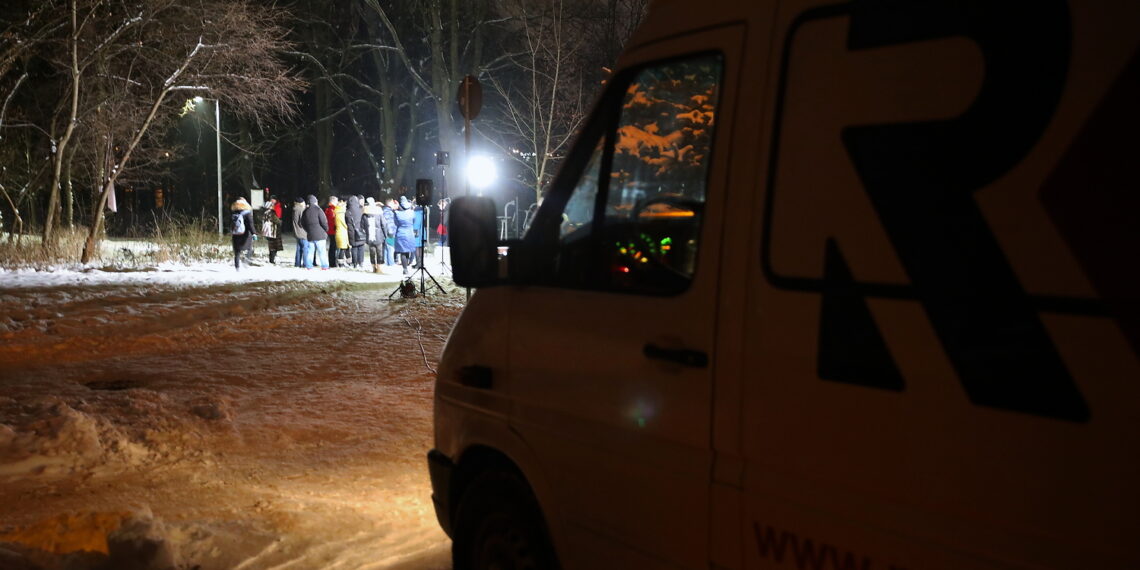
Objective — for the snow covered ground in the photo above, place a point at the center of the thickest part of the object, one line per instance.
(199, 417)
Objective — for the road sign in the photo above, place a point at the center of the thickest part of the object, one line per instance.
(470, 97)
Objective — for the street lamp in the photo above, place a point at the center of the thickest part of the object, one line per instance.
(218, 149)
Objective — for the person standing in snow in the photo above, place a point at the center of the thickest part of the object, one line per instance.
(299, 232)
(316, 227)
(418, 253)
(441, 230)
(276, 205)
(389, 214)
(406, 232)
(271, 228)
(372, 223)
(241, 229)
(341, 234)
(353, 219)
(330, 218)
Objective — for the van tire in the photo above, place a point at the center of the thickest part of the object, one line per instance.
(498, 525)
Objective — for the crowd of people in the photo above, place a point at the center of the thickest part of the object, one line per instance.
(337, 234)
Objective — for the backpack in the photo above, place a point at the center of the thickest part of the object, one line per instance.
(237, 223)
(408, 289)
(389, 223)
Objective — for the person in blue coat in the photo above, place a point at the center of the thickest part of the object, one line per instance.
(407, 234)
(418, 254)
(389, 213)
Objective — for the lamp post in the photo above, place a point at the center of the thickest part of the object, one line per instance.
(218, 150)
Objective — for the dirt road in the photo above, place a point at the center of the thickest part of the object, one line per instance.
(241, 426)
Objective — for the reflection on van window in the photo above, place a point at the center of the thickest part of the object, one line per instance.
(579, 210)
(657, 150)
(660, 169)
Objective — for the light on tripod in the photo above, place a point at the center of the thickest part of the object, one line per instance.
(481, 172)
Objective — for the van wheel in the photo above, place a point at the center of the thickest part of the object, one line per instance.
(499, 526)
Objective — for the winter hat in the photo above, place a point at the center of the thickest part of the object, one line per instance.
(298, 200)
(312, 200)
(404, 204)
(370, 201)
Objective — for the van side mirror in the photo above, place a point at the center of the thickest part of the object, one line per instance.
(471, 234)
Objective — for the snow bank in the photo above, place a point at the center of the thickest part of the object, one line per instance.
(179, 274)
(271, 418)
(55, 436)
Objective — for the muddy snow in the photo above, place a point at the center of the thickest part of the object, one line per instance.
(198, 417)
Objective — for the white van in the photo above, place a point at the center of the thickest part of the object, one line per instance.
(842, 286)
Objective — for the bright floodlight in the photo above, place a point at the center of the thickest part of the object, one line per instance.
(198, 99)
(481, 172)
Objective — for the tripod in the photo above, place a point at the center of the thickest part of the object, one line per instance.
(444, 250)
(421, 266)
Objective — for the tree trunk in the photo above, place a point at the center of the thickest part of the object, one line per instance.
(68, 189)
(324, 138)
(60, 149)
(18, 222)
(441, 81)
(121, 163)
(245, 165)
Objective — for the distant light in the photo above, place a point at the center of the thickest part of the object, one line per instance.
(198, 99)
(481, 171)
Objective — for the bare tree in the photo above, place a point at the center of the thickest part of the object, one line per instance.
(399, 97)
(25, 27)
(81, 16)
(227, 50)
(558, 56)
(454, 34)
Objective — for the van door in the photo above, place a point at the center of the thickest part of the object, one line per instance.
(610, 357)
(940, 372)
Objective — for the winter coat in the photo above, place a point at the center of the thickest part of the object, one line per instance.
(444, 215)
(372, 224)
(406, 231)
(243, 240)
(298, 230)
(314, 222)
(270, 223)
(330, 217)
(341, 227)
(389, 222)
(271, 229)
(353, 216)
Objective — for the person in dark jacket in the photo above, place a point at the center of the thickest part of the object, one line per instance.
(299, 233)
(353, 216)
(316, 227)
(372, 222)
(407, 234)
(241, 229)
